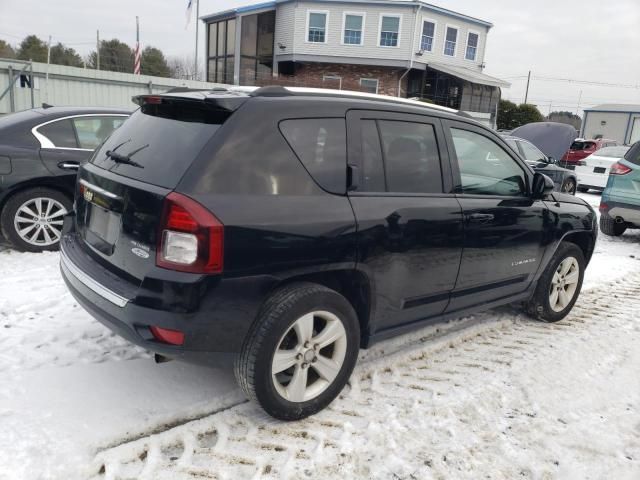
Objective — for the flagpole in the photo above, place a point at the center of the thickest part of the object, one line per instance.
(136, 58)
(195, 75)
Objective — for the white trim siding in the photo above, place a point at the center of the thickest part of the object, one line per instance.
(326, 26)
(398, 34)
(363, 16)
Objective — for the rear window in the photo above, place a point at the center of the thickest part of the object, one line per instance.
(60, 133)
(582, 145)
(162, 139)
(321, 145)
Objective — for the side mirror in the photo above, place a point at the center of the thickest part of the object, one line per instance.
(541, 186)
(552, 160)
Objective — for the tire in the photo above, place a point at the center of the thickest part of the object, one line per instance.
(274, 328)
(609, 227)
(540, 305)
(583, 189)
(46, 231)
(569, 186)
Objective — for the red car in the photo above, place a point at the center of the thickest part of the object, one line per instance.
(581, 148)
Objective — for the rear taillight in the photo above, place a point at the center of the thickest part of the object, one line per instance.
(619, 169)
(603, 207)
(190, 237)
(165, 335)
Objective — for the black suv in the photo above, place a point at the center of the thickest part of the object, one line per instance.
(288, 228)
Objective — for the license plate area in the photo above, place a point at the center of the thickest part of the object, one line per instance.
(102, 228)
(599, 170)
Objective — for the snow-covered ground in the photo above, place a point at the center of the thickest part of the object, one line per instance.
(494, 395)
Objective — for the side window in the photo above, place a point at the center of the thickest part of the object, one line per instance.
(530, 152)
(321, 145)
(411, 158)
(60, 133)
(485, 168)
(373, 172)
(93, 130)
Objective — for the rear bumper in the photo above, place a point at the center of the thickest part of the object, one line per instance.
(629, 213)
(214, 330)
(586, 178)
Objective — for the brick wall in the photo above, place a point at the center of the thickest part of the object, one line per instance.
(312, 75)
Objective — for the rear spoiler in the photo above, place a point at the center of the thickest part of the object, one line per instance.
(226, 101)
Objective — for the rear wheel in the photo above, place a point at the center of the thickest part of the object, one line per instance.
(559, 286)
(300, 352)
(569, 186)
(608, 226)
(32, 220)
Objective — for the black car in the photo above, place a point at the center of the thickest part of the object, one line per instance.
(565, 180)
(288, 228)
(40, 151)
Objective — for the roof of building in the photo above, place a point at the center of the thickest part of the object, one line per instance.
(614, 107)
(472, 76)
(394, 3)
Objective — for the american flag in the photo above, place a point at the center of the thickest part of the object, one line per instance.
(136, 55)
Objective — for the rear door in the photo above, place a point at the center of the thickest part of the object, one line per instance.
(67, 142)
(409, 221)
(503, 226)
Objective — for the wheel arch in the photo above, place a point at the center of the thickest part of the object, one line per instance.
(35, 183)
(352, 284)
(583, 239)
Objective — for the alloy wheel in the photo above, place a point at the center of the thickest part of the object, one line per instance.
(38, 221)
(564, 284)
(309, 356)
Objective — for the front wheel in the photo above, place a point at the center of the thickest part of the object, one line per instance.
(32, 220)
(300, 352)
(559, 286)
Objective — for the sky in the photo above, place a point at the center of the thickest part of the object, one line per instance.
(572, 47)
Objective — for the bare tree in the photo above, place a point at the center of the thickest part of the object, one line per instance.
(183, 67)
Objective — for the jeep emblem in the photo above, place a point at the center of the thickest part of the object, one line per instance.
(88, 195)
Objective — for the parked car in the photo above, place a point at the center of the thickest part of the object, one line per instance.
(565, 180)
(593, 171)
(581, 149)
(287, 228)
(620, 202)
(40, 151)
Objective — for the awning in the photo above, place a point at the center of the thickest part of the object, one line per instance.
(469, 75)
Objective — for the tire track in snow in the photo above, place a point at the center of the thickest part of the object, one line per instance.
(410, 407)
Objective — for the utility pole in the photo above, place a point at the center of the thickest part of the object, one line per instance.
(195, 66)
(526, 95)
(97, 49)
(579, 100)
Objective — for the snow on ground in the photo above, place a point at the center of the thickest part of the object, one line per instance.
(493, 395)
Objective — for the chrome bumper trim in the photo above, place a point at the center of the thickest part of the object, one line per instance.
(90, 283)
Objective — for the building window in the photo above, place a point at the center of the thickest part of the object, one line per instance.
(389, 31)
(221, 54)
(472, 46)
(369, 85)
(256, 48)
(317, 28)
(428, 34)
(332, 81)
(353, 28)
(450, 42)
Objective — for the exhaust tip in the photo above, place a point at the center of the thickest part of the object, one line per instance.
(161, 358)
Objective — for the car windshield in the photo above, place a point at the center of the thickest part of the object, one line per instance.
(613, 152)
(582, 145)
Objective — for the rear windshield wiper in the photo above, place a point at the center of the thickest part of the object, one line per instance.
(125, 159)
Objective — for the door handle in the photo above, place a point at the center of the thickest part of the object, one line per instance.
(69, 165)
(480, 217)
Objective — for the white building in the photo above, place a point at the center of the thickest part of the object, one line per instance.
(614, 121)
(400, 48)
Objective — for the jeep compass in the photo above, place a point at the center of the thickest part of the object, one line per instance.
(285, 229)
